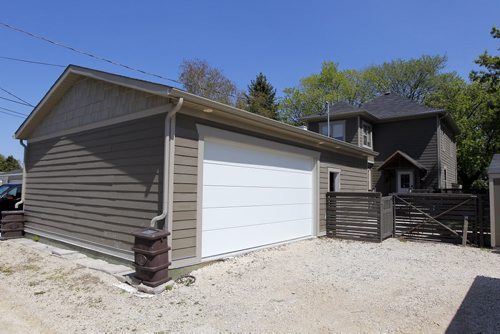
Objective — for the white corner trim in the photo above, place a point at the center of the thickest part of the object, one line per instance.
(493, 223)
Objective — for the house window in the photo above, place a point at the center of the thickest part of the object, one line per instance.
(337, 129)
(366, 133)
(333, 179)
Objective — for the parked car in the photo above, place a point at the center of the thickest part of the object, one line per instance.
(10, 194)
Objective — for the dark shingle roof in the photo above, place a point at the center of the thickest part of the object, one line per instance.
(339, 108)
(495, 165)
(342, 107)
(392, 105)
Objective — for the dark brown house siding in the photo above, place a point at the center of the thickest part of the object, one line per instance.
(448, 155)
(97, 186)
(417, 138)
(351, 129)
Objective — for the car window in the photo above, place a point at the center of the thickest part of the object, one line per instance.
(11, 192)
(3, 189)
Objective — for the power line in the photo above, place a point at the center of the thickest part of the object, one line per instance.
(14, 101)
(17, 112)
(13, 115)
(86, 53)
(31, 61)
(17, 97)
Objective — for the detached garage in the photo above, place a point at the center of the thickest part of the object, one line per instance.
(107, 155)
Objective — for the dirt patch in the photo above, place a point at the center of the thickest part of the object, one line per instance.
(317, 285)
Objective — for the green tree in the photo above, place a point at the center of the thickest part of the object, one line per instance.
(330, 85)
(476, 109)
(261, 97)
(415, 79)
(8, 164)
(199, 78)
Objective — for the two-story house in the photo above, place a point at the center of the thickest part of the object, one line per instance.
(416, 144)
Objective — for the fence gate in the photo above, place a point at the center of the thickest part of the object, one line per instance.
(363, 216)
(438, 217)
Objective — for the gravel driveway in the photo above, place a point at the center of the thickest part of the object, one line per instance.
(318, 285)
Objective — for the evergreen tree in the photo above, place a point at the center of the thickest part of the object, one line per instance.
(8, 164)
(261, 97)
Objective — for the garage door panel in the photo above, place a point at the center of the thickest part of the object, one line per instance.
(254, 196)
(223, 196)
(220, 218)
(227, 175)
(241, 154)
(229, 240)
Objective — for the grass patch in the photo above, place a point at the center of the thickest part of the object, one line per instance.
(31, 267)
(6, 270)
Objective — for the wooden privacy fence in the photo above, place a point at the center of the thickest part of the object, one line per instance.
(359, 216)
(441, 217)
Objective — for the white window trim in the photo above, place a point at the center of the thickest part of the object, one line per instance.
(337, 181)
(363, 123)
(331, 132)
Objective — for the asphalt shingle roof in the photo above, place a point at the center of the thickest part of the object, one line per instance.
(495, 165)
(392, 105)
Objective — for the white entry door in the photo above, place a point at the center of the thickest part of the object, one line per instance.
(405, 181)
(254, 196)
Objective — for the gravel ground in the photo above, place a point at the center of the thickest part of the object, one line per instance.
(317, 285)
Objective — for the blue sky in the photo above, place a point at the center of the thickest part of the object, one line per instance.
(286, 40)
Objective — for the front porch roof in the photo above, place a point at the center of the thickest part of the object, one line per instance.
(388, 163)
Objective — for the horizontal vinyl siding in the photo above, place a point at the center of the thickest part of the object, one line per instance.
(97, 186)
(448, 155)
(185, 190)
(353, 177)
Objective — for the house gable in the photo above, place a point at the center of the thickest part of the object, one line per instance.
(89, 101)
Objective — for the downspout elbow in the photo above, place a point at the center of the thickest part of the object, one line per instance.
(16, 206)
(169, 133)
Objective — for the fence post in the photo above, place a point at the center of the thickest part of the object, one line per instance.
(465, 230)
(380, 217)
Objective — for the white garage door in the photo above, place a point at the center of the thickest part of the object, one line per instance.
(254, 196)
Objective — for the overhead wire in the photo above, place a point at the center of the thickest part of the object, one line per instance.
(31, 61)
(13, 115)
(17, 97)
(86, 53)
(89, 54)
(18, 102)
(13, 111)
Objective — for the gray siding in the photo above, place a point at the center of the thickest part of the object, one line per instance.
(417, 138)
(89, 101)
(353, 177)
(351, 129)
(448, 154)
(97, 186)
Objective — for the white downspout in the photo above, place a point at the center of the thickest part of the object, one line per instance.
(23, 192)
(167, 162)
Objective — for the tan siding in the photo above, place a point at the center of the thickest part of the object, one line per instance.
(90, 101)
(89, 186)
(185, 190)
(353, 177)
